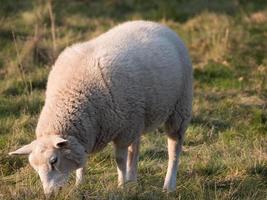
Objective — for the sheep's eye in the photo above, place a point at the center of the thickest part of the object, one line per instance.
(53, 160)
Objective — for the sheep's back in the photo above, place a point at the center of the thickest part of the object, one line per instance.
(147, 69)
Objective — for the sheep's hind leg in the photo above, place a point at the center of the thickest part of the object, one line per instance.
(175, 142)
(121, 160)
(132, 160)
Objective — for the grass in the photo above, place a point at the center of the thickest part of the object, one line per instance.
(225, 151)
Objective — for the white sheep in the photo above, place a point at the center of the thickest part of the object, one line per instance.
(115, 87)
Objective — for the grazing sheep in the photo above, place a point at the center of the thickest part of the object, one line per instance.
(115, 87)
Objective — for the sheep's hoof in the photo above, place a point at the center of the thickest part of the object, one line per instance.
(169, 189)
(121, 185)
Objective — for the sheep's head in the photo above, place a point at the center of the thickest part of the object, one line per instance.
(53, 158)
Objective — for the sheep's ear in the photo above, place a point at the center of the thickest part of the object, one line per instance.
(59, 142)
(26, 149)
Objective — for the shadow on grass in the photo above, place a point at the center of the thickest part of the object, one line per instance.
(209, 128)
(215, 124)
(14, 7)
(154, 10)
(154, 154)
(259, 170)
(121, 10)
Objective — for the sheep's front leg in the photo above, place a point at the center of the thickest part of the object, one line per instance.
(79, 176)
(121, 160)
(132, 160)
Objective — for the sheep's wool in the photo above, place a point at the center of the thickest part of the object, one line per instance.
(125, 82)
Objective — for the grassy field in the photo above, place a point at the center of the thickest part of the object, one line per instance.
(225, 151)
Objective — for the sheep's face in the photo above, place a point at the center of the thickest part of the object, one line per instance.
(53, 158)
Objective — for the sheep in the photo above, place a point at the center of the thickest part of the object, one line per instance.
(116, 87)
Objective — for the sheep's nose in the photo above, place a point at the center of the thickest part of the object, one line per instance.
(49, 192)
(52, 192)
(48, 195)
(56, 190)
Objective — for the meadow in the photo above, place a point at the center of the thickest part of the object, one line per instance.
(225, 149)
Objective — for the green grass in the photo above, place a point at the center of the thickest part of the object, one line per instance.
(225, 151)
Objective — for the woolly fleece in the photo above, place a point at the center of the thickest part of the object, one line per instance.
(125, 82)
